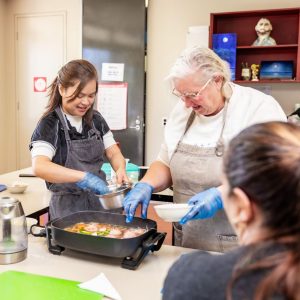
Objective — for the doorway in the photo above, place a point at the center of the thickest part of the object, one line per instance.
(40, 52)
(114, 32)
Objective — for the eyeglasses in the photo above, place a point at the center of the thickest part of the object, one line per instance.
(193, 95)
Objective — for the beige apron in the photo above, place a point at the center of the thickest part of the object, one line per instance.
(193, 170)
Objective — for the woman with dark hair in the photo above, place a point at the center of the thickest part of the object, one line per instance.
(262, 201)
(70, 141)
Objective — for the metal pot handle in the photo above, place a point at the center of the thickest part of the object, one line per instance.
(54, 249)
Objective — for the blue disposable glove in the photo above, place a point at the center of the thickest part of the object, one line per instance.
(141, 193)
(93, 183)
(204, 205)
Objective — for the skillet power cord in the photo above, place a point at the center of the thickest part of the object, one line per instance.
(37, 231)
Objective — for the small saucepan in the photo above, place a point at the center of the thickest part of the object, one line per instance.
(114, 198)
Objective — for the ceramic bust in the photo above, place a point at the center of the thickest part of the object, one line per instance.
(263, 29)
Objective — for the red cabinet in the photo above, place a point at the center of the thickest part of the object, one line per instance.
(285, 24)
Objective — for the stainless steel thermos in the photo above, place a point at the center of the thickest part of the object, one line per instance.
(13, 231)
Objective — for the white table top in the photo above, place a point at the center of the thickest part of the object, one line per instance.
(144, 283)
(35, 198)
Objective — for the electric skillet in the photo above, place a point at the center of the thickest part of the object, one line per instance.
(133, 250)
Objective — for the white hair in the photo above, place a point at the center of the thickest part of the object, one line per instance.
(195, 59)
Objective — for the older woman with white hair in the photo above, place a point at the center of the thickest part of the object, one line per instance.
(211, 111)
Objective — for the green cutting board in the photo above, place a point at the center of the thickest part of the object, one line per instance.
(25, 286)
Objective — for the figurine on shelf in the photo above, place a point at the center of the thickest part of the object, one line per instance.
(246, 72)
(255, 70)
(263, 29)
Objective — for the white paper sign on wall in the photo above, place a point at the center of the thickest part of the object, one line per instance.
(112, 104)
(112, 72)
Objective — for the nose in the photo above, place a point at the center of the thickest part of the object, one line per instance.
(85, 100)
(188, 102)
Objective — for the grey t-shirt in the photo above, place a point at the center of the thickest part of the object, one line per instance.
(205, 276)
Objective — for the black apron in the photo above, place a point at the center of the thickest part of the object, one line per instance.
(84, 155)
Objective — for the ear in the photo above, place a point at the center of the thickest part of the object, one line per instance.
(61, 90)
(219, 81)
(243, 207)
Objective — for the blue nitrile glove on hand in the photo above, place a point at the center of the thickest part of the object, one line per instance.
(93, 183)
(141, 193)
(204, 205)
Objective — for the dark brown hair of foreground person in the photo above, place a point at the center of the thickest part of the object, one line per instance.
(264, 161)
(74, 71)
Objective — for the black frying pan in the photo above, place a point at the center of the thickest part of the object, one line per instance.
(106, 246)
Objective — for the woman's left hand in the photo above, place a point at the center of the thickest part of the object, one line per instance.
(204, 205)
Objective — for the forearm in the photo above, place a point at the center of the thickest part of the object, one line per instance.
(158, 176)
(221, 189)
(51, 172)
(116, 158)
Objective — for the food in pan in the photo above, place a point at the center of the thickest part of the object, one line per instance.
(107, 230)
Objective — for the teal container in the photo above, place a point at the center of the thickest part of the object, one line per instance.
(132, 171)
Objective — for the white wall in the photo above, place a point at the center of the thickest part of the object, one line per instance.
(2, 83)
(74, 50)
(168, 21)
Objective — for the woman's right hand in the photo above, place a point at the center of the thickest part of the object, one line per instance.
(93, 183)
(141, 193)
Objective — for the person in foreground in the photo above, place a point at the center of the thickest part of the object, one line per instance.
(262, 201)
(70, 141)
(210, 112)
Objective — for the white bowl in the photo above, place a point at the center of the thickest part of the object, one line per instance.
(18, 188)
(172, 212)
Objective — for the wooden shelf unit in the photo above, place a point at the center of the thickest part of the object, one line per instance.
(286, 32)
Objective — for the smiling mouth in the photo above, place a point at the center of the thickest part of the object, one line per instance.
(82, 108)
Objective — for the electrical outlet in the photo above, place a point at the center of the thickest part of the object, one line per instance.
(164, 121)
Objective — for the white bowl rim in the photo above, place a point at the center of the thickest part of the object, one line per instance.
(172, 206)
(123, 188)
(17, 189)
(17, 185)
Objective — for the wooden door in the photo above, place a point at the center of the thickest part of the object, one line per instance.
(40, 52)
